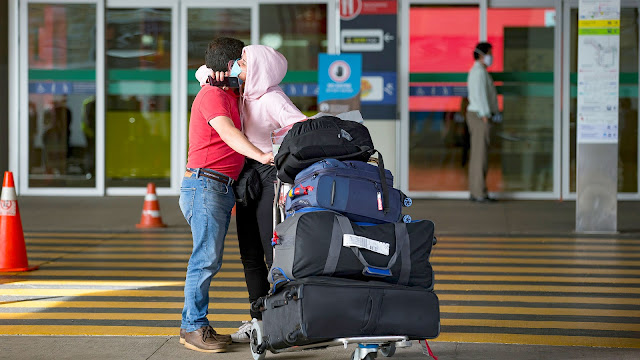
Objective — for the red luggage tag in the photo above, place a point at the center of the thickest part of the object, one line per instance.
(380, 201)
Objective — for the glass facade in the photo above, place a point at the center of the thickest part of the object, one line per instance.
(62, 61)
(532, 154)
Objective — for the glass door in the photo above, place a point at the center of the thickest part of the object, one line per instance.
(141, 102)
(628, 142)
(203, 21)
(61, 97)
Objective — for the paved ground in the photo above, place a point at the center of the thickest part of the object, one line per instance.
(100, 275)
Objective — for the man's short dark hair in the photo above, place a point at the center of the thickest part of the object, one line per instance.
(481, 49)
(220, 51)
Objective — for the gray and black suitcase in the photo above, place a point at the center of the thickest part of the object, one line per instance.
(326, 243)
(318, 309)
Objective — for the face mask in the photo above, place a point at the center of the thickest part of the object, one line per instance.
(488, 60)
(235, 69)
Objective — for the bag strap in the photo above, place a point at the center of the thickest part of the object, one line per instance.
(383, 181)
(340, 226)
(405, 269)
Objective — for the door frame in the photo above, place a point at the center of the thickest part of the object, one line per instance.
(18, 125)
(174, 180)
(403, 83)
(566, 101)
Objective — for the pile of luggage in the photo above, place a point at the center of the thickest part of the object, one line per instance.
(347, 263)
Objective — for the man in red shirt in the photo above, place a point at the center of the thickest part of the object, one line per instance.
(217, 149)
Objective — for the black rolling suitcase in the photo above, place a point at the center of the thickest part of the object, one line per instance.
(318, 309)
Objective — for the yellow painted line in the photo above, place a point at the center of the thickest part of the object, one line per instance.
(124, 273)
(542, 299)
(577, 247)
(541, 278)
(96, 330)
(71, 235)
(112, 293)
(133, 256)
(536, 311)
(101, 248)
(130, 283)
(463, 252)
(534, 270)
(537, 288)
(530, 339)
(55, 243)
(489, 260)
(541, 324)
(480, 240)
(115, 316)
(114, 264)
(42, 304)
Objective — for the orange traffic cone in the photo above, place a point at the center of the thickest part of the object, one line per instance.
(13, 252)
(151, 210)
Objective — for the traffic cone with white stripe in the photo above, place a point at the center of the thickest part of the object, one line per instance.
(151, 210)
(13, 251)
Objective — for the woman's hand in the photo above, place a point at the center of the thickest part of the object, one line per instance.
(266, 158)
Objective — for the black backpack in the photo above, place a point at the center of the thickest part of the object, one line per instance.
(325, 137)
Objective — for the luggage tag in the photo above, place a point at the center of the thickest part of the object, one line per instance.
(380, 208)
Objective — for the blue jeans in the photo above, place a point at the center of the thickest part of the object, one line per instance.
(206, 205)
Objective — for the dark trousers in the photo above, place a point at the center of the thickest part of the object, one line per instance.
(254, 222)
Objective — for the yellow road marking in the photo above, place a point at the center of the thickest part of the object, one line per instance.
(541, 278)
(571, 254)
(538, 288)
(576, 247)
(115, 316)
(57, 283)
(541, 324)
(540, 339)
(97, 292)
(479, 240)
(128, 256)
(43, 304)
(114, 264)
(534, 270)
(124, 273)
(542, 299)
(96, 330)
(536, 311)
(487, 259)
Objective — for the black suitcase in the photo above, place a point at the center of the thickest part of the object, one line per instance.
(318, 309)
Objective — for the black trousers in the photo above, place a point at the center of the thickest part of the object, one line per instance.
(254, 222)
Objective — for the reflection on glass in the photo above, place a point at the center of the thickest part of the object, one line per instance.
(522, 144)
(299, 32)
(61, 48)
(138, 117)
(442, 39)
(628, 104)
(203, 26)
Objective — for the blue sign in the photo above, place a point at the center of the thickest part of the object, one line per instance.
(339, 76)
(61, 87)
(300, 89)
(438, 91)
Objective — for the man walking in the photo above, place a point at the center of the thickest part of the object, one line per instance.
(483, 103)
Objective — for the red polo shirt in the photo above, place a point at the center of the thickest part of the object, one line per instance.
(206, 148)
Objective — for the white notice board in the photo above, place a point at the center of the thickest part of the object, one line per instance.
(598, 71)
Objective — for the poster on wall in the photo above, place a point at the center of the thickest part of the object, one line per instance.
(598, 71)
(369, 27)
(339, 82)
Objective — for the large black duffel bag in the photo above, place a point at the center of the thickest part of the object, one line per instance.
(326, 243)
(317, 309)
(316, 139)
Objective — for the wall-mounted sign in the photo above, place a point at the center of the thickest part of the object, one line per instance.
(339, 82)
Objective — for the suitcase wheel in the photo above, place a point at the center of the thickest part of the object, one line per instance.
(356, 356)
(407, 202)
(258, 346)
(388, 350)
(406, 219)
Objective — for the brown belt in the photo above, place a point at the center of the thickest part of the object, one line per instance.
(213, 176)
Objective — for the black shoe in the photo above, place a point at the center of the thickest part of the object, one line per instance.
(485, 199)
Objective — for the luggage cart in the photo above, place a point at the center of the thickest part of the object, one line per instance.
(368, 346)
